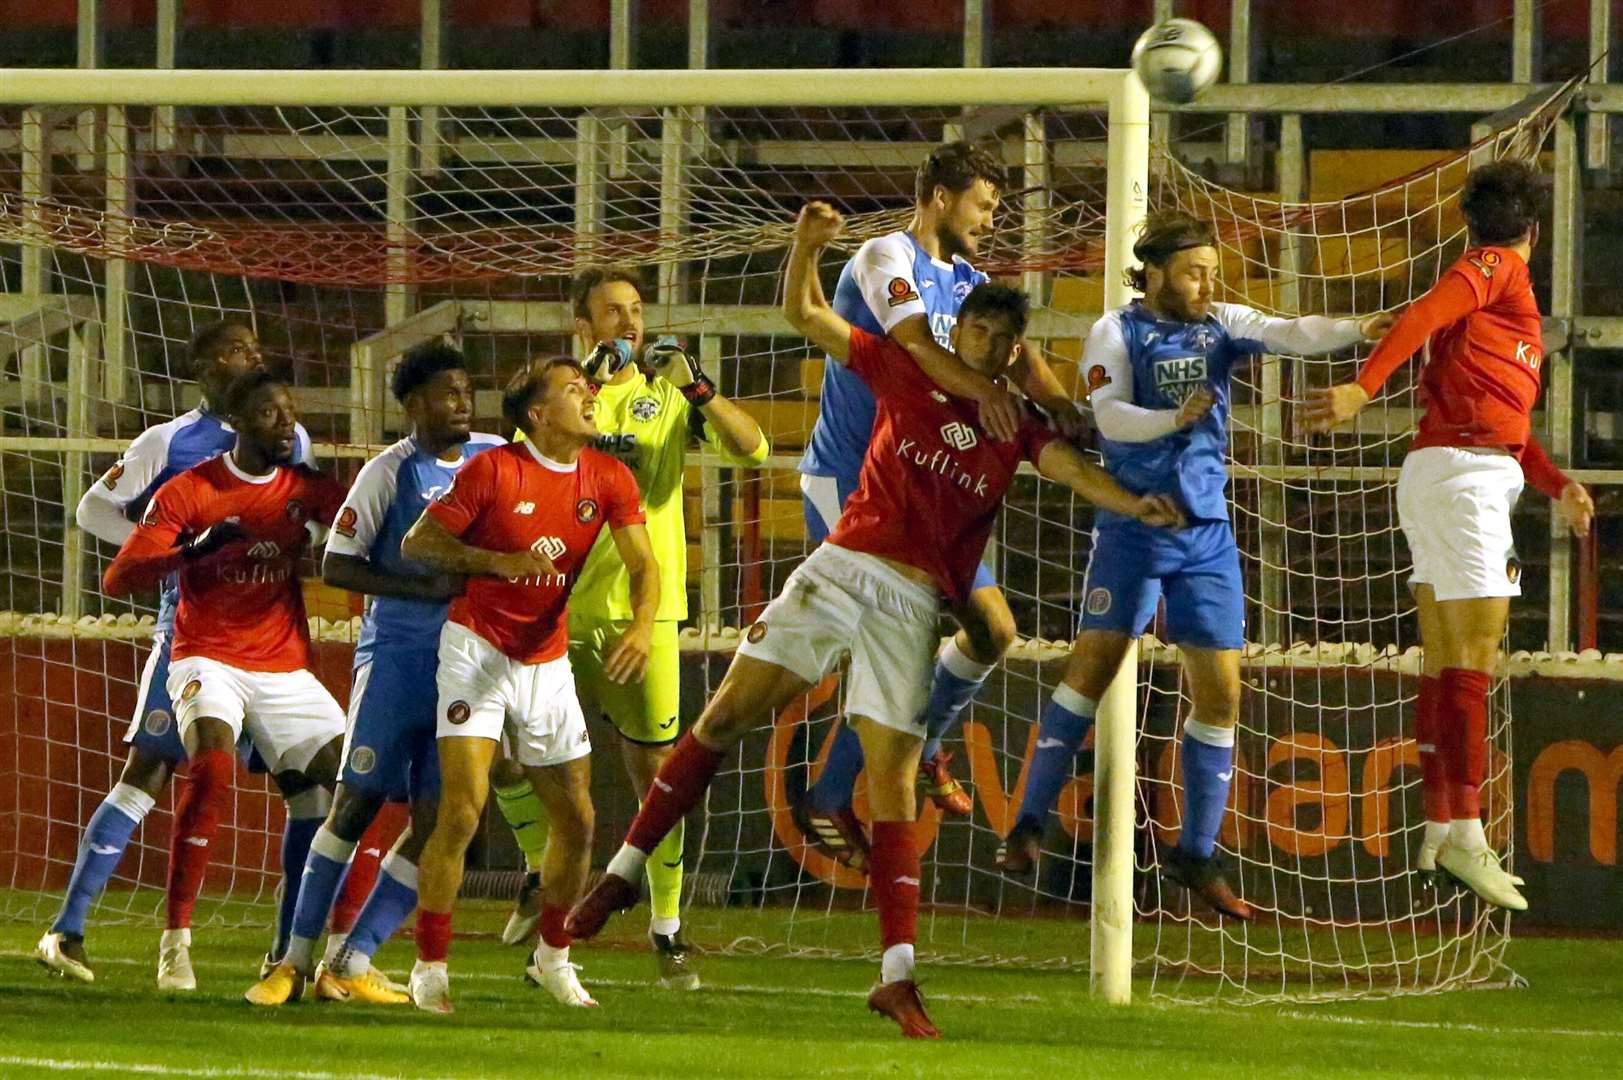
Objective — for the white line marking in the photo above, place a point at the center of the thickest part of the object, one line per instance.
(1437, 1025)
(632, 984)
(65, 1065)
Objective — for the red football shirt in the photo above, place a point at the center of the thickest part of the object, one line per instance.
(1487, 348)
(933, 480)
(511, 499)
(243, 604)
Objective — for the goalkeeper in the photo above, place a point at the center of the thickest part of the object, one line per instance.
(647, 422)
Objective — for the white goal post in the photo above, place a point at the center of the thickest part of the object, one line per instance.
(1120, 95)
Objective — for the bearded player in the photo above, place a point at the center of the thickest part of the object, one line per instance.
(233, 530)
(518, 523)
(647, 422)
(1459, 483)
(908, 285)
(389, 747)
(874, 588)
(1159, 372)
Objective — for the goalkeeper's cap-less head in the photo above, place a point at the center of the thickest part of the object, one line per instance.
(421, 363)
(1503, 201)
(587, 281)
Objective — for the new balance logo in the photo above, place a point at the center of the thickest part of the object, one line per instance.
(913, 881)
(265, 549)
(959, 435)
(524, 508)
(550, 546)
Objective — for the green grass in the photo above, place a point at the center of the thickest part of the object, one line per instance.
(769, 1016)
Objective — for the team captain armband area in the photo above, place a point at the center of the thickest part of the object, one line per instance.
(280, 214)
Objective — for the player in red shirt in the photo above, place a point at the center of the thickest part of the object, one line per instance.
(1460, 481)
(235, 527)
(518, 522)
(911, 535)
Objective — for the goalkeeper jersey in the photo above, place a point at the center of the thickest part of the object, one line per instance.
(647, 424)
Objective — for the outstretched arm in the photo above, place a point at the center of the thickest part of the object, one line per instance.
(1063, 463)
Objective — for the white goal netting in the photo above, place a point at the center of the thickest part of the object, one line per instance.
(343, 236)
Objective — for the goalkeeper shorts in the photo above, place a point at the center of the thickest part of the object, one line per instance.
(645, 711)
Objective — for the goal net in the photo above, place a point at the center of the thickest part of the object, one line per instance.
(346, 234)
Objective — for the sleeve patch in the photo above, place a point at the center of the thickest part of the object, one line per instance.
(345, 525)
(1098, 377)
(1484, 261)
(900, 291)
(113, 475)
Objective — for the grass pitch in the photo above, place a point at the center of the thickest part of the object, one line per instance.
(767, 1016)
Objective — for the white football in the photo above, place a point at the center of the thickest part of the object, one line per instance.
(1177, 60)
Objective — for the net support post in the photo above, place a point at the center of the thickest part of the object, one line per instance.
(1115, 747)
(1602, 38)
(84, 345)
(1527, 41)
(115, 338)
(1566, 228)
(674, 143)
(164, 135)
(1115, 807)
(1241, 39)
(589, 186)
(430, 57)
(32, 368)
(92, 54)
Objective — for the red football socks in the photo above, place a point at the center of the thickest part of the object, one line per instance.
(1462, 728)
(677, 788)
(1433, 777)
(197, 819)
(893, 873)
(552, 927)
(433, 936)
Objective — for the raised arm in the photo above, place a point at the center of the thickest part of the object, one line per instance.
(804, 304)
(726, 426)
(1063, 463)
(627, 658)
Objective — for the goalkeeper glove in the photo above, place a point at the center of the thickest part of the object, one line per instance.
(607, 360)
(672, 362)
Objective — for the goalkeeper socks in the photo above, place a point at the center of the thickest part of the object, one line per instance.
(664, 871)
(958, 678)
(523, 813)
(390, 904)
(838, 780)
(297, 836)
(1208, 766)
(678, 787)
(106, 837)
(329, 855)
(893, 873)
(1064, 725)
(197, 819)
(433, 936)
(1433, 778)
(1462, 722)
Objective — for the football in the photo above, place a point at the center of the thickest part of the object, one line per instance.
(1177, 60)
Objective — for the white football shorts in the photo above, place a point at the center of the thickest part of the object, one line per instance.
(1454, 506)
(289, 715)
(485, 694)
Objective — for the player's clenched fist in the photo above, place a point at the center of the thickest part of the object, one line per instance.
(1196, 406)
(818, 224)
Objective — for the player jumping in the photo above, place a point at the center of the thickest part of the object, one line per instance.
(646, 423)
(909, 285)
(1159, 372)
(874, 588)
(1460, 481)
(233, 529)
(518, 523)
(218, 352)
(389, 748)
